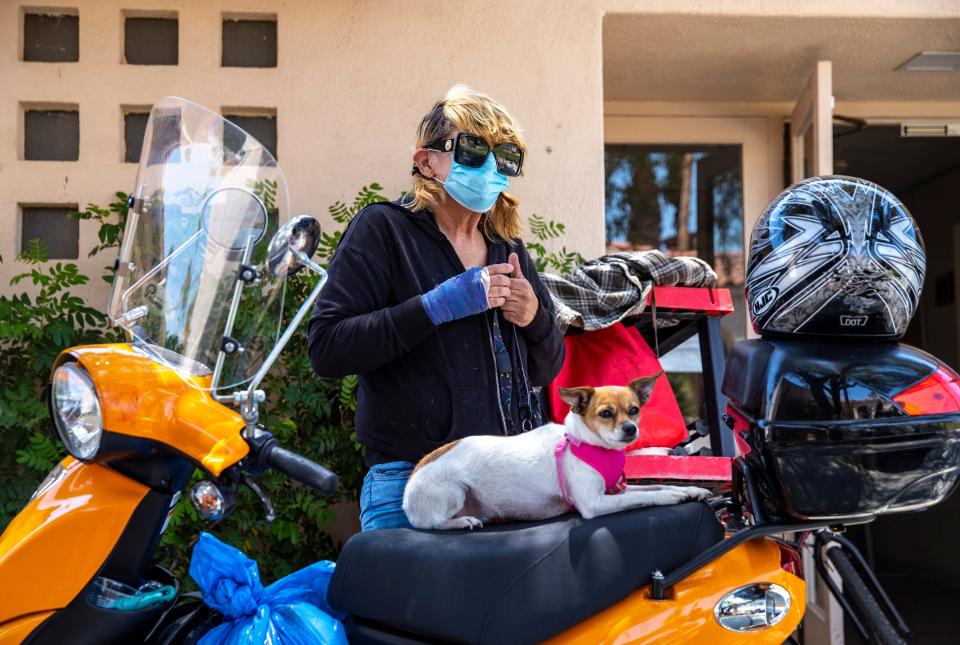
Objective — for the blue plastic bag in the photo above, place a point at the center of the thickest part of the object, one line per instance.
(291, 611)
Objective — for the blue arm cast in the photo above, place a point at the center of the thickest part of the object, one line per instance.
(458, 297)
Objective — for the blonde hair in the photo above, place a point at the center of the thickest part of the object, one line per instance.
(476, 113)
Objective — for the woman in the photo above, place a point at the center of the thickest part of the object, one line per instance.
(435, 303)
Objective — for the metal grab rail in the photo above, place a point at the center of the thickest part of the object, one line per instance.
(662, 582)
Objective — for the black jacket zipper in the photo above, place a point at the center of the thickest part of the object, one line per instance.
(457, 264)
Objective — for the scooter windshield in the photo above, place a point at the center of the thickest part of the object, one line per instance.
(191, 287)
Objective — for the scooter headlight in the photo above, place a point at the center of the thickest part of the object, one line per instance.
(76, 411)
(753, 607)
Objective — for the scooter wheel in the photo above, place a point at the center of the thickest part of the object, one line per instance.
(869, 610)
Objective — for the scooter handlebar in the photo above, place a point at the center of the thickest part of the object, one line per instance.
(300, 468)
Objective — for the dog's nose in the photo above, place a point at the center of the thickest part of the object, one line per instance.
(629, 429)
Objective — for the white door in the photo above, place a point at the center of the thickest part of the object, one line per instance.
(811, 126)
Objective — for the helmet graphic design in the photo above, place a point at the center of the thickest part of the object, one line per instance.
(835, 256)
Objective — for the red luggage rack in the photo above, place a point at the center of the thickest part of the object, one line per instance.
(700, 311)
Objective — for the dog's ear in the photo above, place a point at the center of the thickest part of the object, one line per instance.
(577, 397)
(643, 386)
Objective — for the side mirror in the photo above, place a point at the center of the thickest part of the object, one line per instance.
(297, 238)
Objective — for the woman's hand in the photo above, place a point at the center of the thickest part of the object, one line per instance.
(497, 283)
(521, 305)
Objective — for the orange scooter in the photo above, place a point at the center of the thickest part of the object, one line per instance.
(198, 291)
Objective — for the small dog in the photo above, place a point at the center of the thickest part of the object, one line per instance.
(542, 473)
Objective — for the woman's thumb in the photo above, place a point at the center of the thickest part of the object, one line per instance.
(514, 259)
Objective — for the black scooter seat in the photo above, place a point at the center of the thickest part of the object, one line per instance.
(513, 583)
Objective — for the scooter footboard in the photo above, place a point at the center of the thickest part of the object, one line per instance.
(63, 537)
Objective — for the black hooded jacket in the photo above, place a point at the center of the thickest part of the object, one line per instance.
(420, 385)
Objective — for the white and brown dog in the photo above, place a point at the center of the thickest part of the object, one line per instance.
(542, 473)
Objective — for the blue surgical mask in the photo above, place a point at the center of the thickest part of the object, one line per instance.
(475, 189)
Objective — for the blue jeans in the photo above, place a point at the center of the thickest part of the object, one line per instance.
(381, 497)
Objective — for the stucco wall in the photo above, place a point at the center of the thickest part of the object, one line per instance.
(352, 82)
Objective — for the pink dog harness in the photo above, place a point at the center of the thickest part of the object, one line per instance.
(609, 463)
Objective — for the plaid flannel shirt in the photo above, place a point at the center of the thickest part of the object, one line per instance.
(612, 287)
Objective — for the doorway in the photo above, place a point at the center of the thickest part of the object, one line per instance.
(914, 554)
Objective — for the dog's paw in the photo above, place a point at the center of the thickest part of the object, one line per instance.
(465, 522)
(696, 493)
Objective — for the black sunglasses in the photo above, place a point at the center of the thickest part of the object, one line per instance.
(471, 150)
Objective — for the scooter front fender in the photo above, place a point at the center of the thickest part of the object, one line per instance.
(58, 542)
(686, 615)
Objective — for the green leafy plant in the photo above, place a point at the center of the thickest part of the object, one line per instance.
(562, 261)
(309, 415)
(110, 221)
(344, 214)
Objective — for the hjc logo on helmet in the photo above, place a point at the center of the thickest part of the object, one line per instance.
(764, 300)
(853, 321)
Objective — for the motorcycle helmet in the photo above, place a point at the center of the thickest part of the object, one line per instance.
(834, 256)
